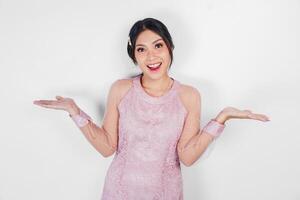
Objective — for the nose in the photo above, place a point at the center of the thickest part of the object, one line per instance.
(151, 54)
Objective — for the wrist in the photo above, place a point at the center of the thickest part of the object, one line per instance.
(74, 110)
(221, 118)
(214, 128)
(81, 118)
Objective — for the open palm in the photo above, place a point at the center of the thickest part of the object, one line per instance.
(60, 104)
(232, 112)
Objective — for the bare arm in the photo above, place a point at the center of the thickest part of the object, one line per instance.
(99, 138)
(105, 138)
(193, 141)
(190, 150)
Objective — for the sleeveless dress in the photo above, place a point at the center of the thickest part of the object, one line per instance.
(146, 164)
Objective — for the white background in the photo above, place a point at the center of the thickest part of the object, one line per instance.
(237, 53)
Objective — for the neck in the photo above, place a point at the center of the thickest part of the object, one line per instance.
(158, 85)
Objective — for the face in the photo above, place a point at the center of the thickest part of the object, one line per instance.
(152, 54)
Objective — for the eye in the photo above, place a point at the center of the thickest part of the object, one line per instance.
(159, 45)
(140, 49)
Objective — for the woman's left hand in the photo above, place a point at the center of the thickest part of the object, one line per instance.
(231, 113)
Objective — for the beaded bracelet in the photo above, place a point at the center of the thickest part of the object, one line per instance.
(214, 128)
(81, 119)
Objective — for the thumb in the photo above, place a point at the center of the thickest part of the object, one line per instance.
(58, 97)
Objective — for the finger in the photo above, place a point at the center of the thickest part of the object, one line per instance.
(263, 116)
(45, 102)
(36, 102)
(259, 117)
(50, 106)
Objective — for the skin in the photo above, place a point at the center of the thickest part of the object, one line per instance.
(150, 49)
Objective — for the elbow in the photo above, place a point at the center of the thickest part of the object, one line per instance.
(187, 163)
(109, 153)
(106, 155)
(186, 160)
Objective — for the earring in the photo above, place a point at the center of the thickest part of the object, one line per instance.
(129, 41)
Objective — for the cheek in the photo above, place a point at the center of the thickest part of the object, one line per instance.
(139, 57)
(166, 55)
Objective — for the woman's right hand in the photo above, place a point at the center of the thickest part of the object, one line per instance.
(61, 103)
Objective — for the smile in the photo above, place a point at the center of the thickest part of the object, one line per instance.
(154, 67)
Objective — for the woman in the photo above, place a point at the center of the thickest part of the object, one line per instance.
(151, 122)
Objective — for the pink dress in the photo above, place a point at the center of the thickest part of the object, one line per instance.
(146, 164)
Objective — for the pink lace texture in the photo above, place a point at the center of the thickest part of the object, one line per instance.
(146, 164)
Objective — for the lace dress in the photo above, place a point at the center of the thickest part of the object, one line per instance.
(146, 164)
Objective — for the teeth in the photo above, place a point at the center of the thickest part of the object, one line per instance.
(154, 65)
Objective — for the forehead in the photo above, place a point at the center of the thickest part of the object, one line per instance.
(147, 37)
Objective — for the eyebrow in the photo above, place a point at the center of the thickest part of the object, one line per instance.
(152, 42)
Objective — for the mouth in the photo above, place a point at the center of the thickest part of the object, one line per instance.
(154, 67)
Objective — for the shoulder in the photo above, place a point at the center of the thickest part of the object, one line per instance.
(190, 96)
(120, 87)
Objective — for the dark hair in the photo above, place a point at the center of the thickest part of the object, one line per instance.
(148, 24)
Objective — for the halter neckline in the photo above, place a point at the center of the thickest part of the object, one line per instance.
(154, 99)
